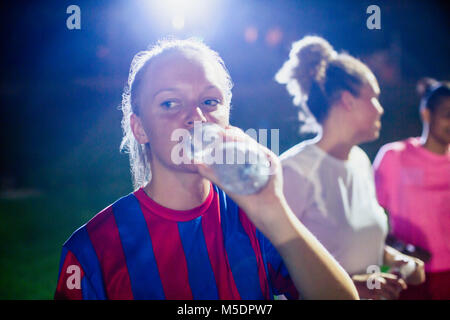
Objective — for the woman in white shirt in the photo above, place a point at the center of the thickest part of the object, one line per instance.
(328, 181)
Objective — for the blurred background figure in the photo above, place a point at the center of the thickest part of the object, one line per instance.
(328, 181)
(413, 185)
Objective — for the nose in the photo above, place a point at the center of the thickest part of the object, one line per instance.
(379, 107)
(195, 115)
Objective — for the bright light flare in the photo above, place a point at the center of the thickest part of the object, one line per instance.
(178, 22)
(182, 13)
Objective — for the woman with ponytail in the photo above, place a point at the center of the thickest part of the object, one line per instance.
(413, 185)
(328, 181)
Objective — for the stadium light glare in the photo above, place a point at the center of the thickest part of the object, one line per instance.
(178, 22)
(182, 12)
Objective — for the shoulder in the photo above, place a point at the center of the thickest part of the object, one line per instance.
(392, 151)
(81, 240)
(301, 158)
(359, 160)
(298, 152)
(102, 223)
(396, 147)
(105, 219)
(358, 153)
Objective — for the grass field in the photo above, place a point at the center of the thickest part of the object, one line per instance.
(32, 232)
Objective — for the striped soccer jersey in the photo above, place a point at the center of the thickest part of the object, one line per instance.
(138, 249)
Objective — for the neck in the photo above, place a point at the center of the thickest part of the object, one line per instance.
(432, 144)
(334, 140)
(191, 189)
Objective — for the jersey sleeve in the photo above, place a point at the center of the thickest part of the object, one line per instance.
(277, 272)
(80, 275)
(71, 277)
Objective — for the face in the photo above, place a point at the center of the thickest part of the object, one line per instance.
(439, 122)
(366, 117)
(177, 90)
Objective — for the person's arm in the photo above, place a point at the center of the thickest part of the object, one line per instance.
(315, 273)
(395, 259)
(74, 280)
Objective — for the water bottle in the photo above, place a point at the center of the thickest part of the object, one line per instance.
(241, 168)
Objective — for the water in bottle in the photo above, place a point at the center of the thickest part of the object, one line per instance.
(241, 167)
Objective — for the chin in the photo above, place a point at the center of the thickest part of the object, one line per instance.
(376, 135)
(186, 168)
(370, 137)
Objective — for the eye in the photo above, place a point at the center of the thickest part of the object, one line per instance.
(169, 104)
(211, 102)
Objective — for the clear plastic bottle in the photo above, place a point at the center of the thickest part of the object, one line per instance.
(241, 168)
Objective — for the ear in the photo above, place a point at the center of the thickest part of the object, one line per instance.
(425, 115)
(138, 129)
(347, 100)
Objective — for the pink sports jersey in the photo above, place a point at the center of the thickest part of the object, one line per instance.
(413, 185)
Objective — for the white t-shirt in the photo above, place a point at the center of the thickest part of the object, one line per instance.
(336, 201)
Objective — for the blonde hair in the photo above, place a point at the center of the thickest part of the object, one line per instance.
(139, 153)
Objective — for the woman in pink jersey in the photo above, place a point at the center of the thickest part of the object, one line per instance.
(413, 184)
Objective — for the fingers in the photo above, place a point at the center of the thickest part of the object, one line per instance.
(388, 291)
(391, 286)
(395, 281)
(247, 148)
(420, 263)
(400, 261)
(236, 134)
(418, 276)
(403, 284)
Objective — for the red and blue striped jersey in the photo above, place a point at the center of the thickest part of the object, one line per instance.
(138, 249)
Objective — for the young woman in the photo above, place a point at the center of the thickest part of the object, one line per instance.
(413, 184)
(328, 181)
(178, 236)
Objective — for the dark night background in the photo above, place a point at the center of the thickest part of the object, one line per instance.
(60, 91)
